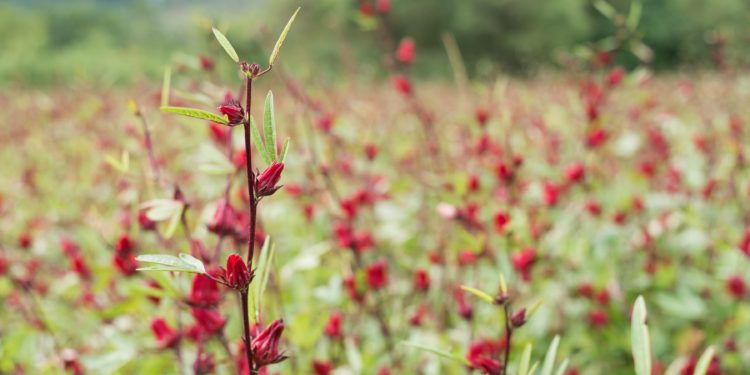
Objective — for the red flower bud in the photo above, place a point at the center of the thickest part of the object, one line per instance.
(421, 280)
(265, 183)
(405, 52)
(144, 222)
(204, 292)
(518, 318)
(736, 287)
(383, 6)
(402, 84)
(234, 112)
(224, 220)
(464, 309)
(166, 337)
(377, 274)
(333, 327)
(575, 172)
(265, 346)
(237, 275)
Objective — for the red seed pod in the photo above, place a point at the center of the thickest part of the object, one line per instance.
(237, 275)
(333, 326)
(406, 51)
(421, 280)
(166, 337)
(402, 84)
(377, 275)
(383, 6)
(265, 183)
(234, 112)
(265, 346)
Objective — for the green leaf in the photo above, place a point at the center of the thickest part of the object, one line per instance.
(181, 263)
(562, 368)
(258, 141)
(704, 361)
(523, 365)
(262, 273)
(282, 37)
(162, 209)
(121, 165)
(226, 45)
(441, 353)
(549, 359)
(486, 297)
(165, 86)
(284, 149)
(197, 113)
(639, 338)
(269, 128)
(605, 8)
(634, 15)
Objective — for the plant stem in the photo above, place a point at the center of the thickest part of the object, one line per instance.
(250, 174)
(508, 335)
(246, 329)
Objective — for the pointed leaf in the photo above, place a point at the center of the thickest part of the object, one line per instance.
(563, 367)
(165, 86)
(269, 128)
(282, 37)
(284, 149)
(486, 297)
(523, 366)
(258, 141)
(634, 15)
(226, 45)
(439, 352)
(605, 8)
(549, 359)
(639, 338)
(197, 113)
(262, 273)
(704, 361)
(162, 209)
(183, 263)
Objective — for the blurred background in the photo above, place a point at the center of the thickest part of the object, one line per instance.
(116, 42)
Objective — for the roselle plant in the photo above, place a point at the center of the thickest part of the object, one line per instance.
(260, 344)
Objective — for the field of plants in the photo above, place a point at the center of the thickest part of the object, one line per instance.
(593, 220)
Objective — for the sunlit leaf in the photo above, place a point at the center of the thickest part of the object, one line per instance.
(197, 113)
(639, 338)
(284, 149)
(701, 368)
(282, 37)
(226, 45)
(163, 262)
(549, 359)
(258, 141)
(441, 353)
(484, 296)
(165, 86)
(269, 128)
(525, 361)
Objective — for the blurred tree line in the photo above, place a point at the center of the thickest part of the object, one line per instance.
(113, 41)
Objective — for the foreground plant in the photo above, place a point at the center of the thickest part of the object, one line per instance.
(260, 347)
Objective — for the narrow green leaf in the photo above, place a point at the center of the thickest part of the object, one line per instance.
(182, 263)
(704, 361)
(262, 273)
(486, 297)
(162, 209)
(533, 368)
(523, 365)
(284, 149)
(172, 227)
(439, 352)
(269, 128)
(605, 8)
(282, 37)
(563, 367)
(226, 45)
(639, 338)
(165, 86)
(197, 113)
(549, 359)
(634, 15)
(258, 141)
